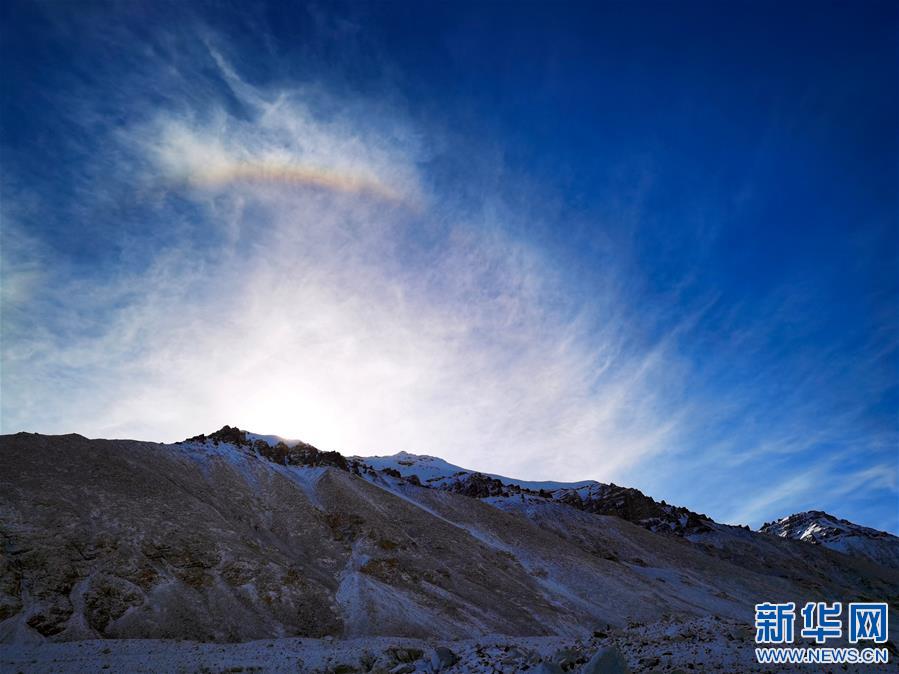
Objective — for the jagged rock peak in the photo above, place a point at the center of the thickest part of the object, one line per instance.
(635, 506)
(274, 449)
(227, 434)
(817, 526)
(820, 528)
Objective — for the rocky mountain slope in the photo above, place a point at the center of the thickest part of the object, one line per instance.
(634, 506)
(233, 537)
(588, 495)
(815, 526)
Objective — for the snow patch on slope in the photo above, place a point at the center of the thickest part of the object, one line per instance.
(436, 472)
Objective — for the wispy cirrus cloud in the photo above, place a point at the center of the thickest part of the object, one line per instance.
(280, 145)
(308, 300)
(295, 258)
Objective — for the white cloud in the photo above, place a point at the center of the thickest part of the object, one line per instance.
(340, 317)
(792, 488)
(318, 285)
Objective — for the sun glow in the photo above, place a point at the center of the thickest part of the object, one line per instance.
(290, 414)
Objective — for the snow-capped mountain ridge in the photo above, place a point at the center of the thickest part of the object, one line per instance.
(820, 528)
(588, 495)
(627, 503)
(432, 469)
(817, 526)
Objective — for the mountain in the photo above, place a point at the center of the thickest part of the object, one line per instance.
(232, 537)
(632, 505)
(588, 495)
(816, 526)
(436, 472)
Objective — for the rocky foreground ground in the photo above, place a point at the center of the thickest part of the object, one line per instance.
(672, 647)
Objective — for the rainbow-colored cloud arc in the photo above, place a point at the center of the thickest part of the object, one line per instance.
(294, 174)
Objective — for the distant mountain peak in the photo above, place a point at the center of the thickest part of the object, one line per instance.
(821, 528)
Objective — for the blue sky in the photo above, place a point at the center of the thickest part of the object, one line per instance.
(648, 243)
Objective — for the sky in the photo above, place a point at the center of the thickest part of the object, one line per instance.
(647, 243)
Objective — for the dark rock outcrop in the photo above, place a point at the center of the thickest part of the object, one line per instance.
(300, 454)
(478, 485)
(634, 506)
